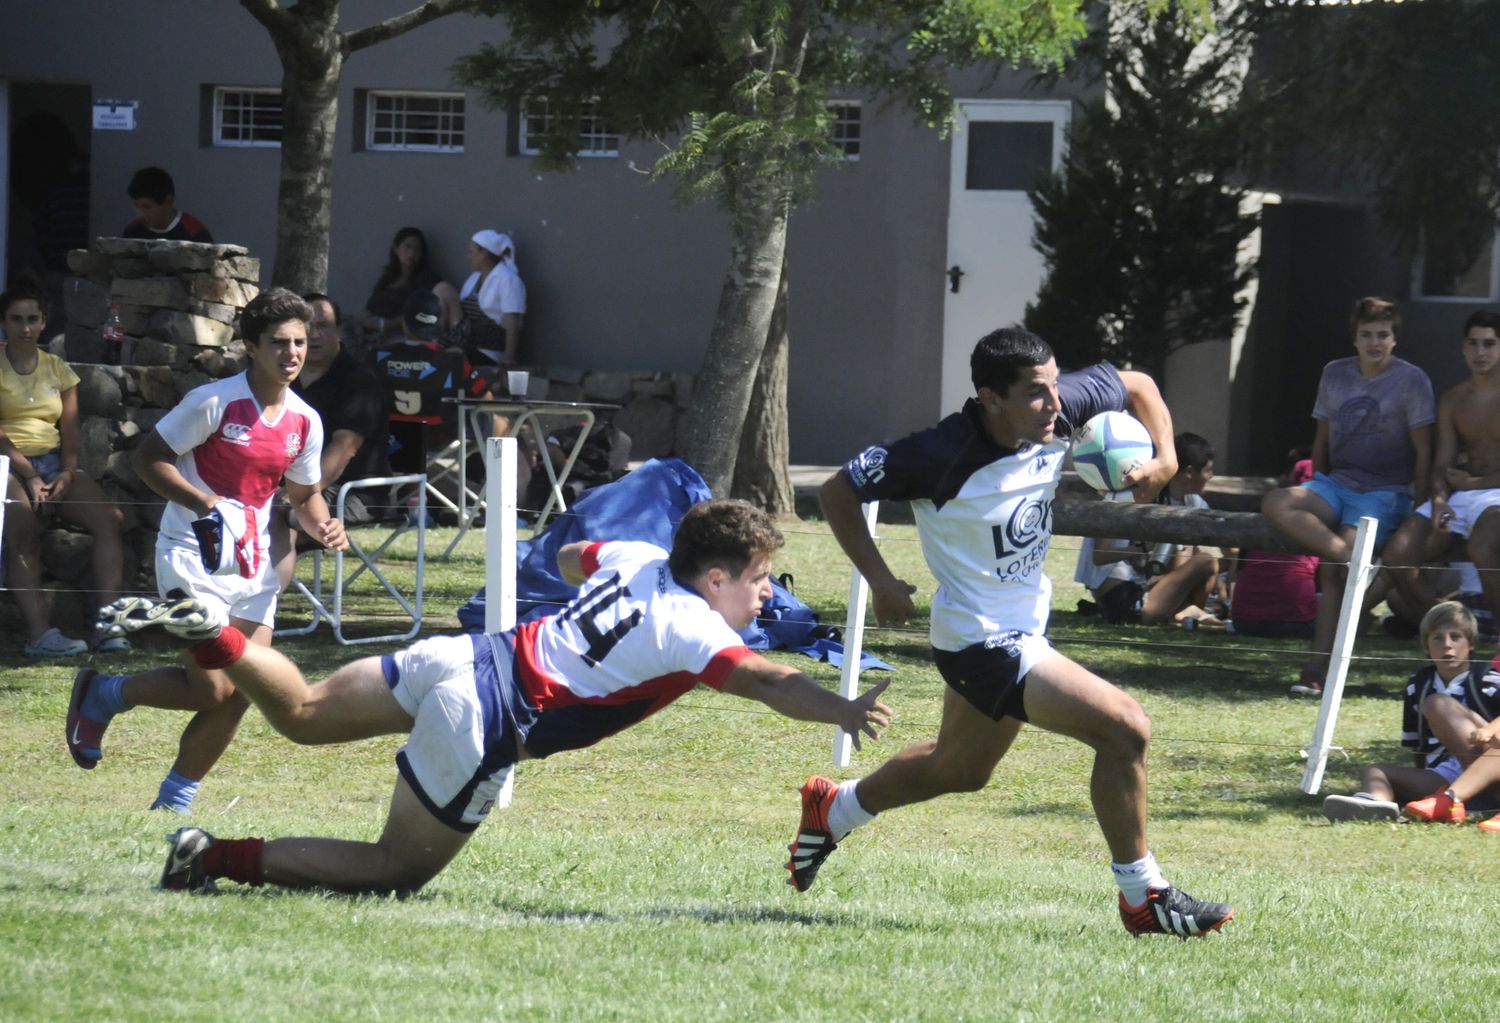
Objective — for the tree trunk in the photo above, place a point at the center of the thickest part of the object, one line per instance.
(721, 397)
(312, 63)
(761, 474)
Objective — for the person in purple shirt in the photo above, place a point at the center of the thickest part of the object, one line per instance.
(1371, 456)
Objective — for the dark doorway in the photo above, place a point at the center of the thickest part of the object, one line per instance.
(48, 210)
(1317, 259)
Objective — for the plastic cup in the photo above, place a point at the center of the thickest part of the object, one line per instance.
(517, 380)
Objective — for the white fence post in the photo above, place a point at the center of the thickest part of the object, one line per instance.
(854, 641)
(499, 534)
(1350, 616)
(4, 477)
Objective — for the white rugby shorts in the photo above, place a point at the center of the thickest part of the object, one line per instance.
(253, 599)
(456, 773)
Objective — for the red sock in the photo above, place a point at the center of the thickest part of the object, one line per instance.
(221, 651)
(238, 859)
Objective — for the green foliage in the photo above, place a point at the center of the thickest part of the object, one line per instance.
(1408, 97)
(1140, 228)
(738, 88)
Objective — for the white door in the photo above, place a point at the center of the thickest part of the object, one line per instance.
(1000, 147)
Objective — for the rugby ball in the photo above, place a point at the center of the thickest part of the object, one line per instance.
(1107, 447)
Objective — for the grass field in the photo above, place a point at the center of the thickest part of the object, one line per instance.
(642, 879)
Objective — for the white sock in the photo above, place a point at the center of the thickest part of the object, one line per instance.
(846, 813)
(1136, 878)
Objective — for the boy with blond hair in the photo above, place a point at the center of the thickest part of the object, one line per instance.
(1444, 703)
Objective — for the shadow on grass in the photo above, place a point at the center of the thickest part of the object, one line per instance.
(699, 914)
(1233, 668)
(1248, 808)
(575, 916)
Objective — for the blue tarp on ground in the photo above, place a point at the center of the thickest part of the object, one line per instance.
(646, 505)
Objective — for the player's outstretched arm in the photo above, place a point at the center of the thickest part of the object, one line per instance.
(891, 596)
(793, 694)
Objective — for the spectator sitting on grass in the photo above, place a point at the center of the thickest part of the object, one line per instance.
(1119, 577)
(1276, 592)
(1445, 702)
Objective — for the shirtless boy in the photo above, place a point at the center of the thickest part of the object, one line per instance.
(1465, 476)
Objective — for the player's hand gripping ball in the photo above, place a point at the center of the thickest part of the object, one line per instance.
(1107, 447)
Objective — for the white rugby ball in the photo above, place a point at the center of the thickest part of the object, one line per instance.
(1107, 447)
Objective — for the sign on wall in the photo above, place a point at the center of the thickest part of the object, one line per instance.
(114, 114)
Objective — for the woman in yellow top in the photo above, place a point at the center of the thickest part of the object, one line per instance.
(39, 431)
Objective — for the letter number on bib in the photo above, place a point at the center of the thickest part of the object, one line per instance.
(593, 605)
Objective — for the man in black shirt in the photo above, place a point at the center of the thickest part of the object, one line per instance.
(348, 397)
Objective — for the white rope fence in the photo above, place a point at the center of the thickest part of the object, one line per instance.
(501, 460)
(1360, 572)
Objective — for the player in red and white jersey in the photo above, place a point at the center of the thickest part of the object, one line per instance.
(227, 445)
(645, 628)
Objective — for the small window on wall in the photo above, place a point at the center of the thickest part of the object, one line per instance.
(424, 122)
(845, 129)
(246, 117)
(1008, 156)
(595, 138)
(1447, 279)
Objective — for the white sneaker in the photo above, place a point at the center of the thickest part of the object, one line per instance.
(53, 643)
(1360, 807)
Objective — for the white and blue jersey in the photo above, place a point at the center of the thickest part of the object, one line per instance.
(1478, 689)
(984, 513)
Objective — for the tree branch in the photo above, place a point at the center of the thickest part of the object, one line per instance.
(272, 15)
(402, 23)
(737, 46)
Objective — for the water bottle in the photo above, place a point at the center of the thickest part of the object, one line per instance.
(1160, 558)
(114, 336)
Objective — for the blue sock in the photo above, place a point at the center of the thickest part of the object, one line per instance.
(176, 794)
(104, 699)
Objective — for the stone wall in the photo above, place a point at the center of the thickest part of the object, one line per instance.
(178, 305)
(653, 406)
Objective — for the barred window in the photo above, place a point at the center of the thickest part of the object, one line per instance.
(844, 131)
(595, 138)
(430, 122)
(247, 116)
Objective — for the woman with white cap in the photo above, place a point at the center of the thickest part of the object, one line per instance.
(493, 300)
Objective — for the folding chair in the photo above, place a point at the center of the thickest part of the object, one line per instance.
(410, 607)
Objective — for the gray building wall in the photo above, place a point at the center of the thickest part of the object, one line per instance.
(618, 275)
